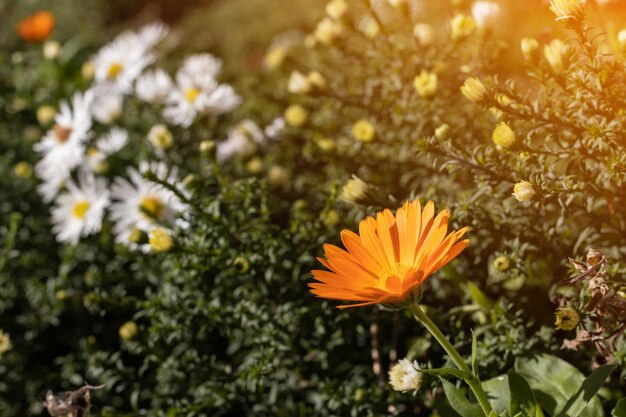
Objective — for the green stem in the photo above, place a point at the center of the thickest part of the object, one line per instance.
(474, 383)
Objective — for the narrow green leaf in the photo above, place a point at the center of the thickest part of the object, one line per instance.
(479, 297)
(465, 376)
(459, 402)
(590, 386)
(474, 355)
(620, 408)
(522, 396)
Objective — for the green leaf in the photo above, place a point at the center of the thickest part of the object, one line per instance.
(448, 371)
(497, 390)
(620, 408)
(554, 382)
(459, 402)
(479, 297)
(590, 386)
(474, 355)
(522, 396)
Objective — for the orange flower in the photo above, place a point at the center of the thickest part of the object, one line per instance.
(390, 258)
(37, 27)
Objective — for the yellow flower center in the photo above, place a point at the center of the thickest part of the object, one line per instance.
(152, 207)
(80, 209)
(192, 94)
(114, 70)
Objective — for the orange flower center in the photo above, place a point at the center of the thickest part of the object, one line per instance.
(391, 279)
(62, 133)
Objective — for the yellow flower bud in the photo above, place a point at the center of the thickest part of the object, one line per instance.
(298, 83)
(274, 57)
(51, 49)
(529, 47)
(566, 318)
(277, 175)
(128, 330)
(363, 131)
(160, 240)
(461, 26)
(316, 79)
(369, 27)
(326, 144)
(426, 84)
(160, 137)
(424, 33)
(327, 31)
(502, 263)
(554, 53)
(474, 90)
(336, 8)
(208, 147)
(330, 218)
(442, 131)
(45, 115)
(296, 115)
(503, 135)
(524, 191)
(255, 165)
(242, 263)
(23, 170)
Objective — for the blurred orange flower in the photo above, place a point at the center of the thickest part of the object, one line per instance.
(37, 27)
(390, 258)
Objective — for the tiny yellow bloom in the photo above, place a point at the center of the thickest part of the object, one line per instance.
(426, 83)
(45, 115)
(255, 165)
(474, 90)
(442, 131)
(316, 79)
(326, 144)
(160, 240)
(88, 70)
(424, 33)
(461, 26)
(128, 330)
(160, 137)
(529, 47)
(23, 170)
(327, 31)
(296, 115)
(336, 8)
(524, 191)
(274, 57)
(277, 175)
(298, 83)
(369, 26)
(566, 318)
(355, 191)
(330, 218)
(503, 135)
(363, 130)
(502, 263)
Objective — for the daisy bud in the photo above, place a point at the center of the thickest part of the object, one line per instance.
(363, 131)
(524, 191)
(160, 240)
(326, 144)
(336, 8)
(503, 135)
(554, 53)
(5, 343)
(426, 84)
(128, 330)
(442, 131)
(298, 83)
(424, 33)
(23, 170)
(160, 137)
(327, 31)
(405, 376)
(277, 175)
(274, 57)
(567, 9)
(502, 263)
(316, 79)
(296, 115)
(255, 165)
(486, 14)
(356, 191)
(369, 27)
(529, 47)
(474, 90)
(51, 49)
(45, 115)
(566, 318)
(461, 26)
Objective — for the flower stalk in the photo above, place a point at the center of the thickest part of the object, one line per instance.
(473, 382)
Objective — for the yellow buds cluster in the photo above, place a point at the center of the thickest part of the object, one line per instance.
(461, 26)
(503, 135)
(296, 115)
(524, 191)
(160, 240)
(567, 9)
(363, 131)
(426, 84)
(566, 318)
(474, 90)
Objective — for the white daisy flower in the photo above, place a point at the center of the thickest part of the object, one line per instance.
(108, 144)
(79, 211)
(201, 67)
(140, 204)
(242, 140)
(405, 376)
(108, 106)
(63, 146)
(154, 86)
(152, 34)
(275, 128)
(223, 100)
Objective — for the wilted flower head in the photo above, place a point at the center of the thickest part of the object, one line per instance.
(37, 27)
(503, 135)
(524, 191)
(405, 376)
(390, 258)
(474, 90)
(567, 9)
(461, 26)
(566, 318)
(486, 14)
(426, 84)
